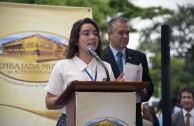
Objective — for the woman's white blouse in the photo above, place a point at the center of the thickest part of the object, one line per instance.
(68, 70)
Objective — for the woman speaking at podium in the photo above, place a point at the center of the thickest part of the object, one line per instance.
(79, 64)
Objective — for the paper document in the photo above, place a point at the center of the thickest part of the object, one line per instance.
(133, 73)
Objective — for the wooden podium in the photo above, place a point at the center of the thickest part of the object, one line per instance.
(85, 88)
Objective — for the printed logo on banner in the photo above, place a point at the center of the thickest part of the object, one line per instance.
(106, 121)
(31, 56)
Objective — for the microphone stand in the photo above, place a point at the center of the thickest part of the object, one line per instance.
(94, 54)
(106, 70)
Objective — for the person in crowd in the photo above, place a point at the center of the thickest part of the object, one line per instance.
(147, 117)
(185, 117)
(78, 65)
(155, 119)
(175, 105)
(118, 34)
(159, 114)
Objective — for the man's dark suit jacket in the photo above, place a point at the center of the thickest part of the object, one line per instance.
(178, 119)
(133, 57)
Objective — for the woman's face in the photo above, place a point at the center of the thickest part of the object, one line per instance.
(88, 35)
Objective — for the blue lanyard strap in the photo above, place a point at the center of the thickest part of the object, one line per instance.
(95, 77)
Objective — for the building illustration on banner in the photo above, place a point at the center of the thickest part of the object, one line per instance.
(31, 56)
(36, 46)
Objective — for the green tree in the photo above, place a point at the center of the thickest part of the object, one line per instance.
(103, 10)
(182, 47)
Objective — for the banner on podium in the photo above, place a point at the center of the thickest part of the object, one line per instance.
(105, 108)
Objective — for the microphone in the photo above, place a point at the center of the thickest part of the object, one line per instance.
(95, 55)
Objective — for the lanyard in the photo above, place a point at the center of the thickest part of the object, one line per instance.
(95, 77)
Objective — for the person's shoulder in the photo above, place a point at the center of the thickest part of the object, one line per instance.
(62, 62)
(106, 52)
(175, 115)
(135, 51)
(106, 49)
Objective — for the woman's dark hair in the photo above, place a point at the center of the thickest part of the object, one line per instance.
(74, 37)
